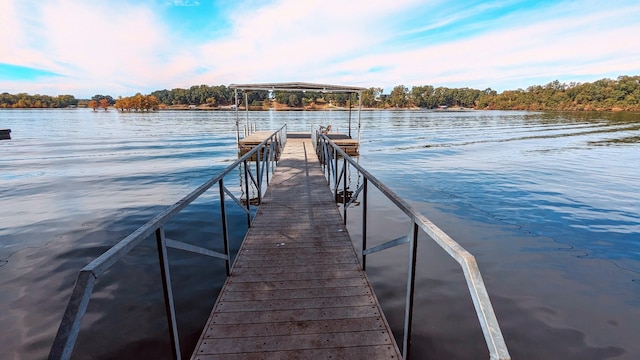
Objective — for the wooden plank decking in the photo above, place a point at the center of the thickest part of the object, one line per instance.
(296, 290)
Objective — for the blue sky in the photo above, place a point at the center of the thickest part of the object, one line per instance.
(121, 47)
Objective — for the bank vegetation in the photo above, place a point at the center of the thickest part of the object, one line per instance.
(621, 94)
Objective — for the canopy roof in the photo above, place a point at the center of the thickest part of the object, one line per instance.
(298, 86)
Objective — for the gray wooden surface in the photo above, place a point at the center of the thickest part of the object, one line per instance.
(297, 290)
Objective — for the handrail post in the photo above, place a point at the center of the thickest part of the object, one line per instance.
(259, 174)
(335, 169)
(246, 187)
(364, 223)
(168, 293)
(237, 117)
(344, 190)
(268, 163)
(225, 234)
(411, 280)
(246, 110)
(69, 328)
(327, 160)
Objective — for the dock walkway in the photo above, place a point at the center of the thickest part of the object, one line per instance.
(296, 290)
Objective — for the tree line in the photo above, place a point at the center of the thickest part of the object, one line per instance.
(605, 94)
(622, 93)
(24, 100)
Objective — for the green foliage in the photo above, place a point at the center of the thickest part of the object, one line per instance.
(399, 96)
(294, 100)
(23, 100)
(108, 98)
(605, 94)
(429, 97)
(201, 94)
(371, 97)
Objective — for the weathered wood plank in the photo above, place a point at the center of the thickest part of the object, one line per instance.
(296, 289)
(256, 317)
(299, 254)
(299, 293)
(299, 284)
(291, 303)
(310, 269)
(365, 352)
(292, 327)
(296, 342)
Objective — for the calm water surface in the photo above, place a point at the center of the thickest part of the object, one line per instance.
(549, 203)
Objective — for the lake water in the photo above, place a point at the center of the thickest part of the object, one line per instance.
(549, 203)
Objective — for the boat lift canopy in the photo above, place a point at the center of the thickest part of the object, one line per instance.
(299, 86)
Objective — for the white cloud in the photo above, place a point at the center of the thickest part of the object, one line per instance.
(123, 48)
(557, 48)
(293, 39)
(96, 47)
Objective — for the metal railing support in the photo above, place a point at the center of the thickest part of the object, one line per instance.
(168, 293)
(268, 161)
(479, 295)
(70, 325)
(335, 167)
(411, 286)
(344, 191)
(225, 232)
(246, 188)
(259, 174)
(69, 328)
(364, 222)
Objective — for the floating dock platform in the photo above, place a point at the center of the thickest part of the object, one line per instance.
(346, 143)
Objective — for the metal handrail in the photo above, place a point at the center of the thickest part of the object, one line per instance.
(69, 329)
(328, 152)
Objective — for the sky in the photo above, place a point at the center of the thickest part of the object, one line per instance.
(122, 47)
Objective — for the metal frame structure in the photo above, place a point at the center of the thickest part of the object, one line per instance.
(266, 156)
(295, 86)
(329, 153)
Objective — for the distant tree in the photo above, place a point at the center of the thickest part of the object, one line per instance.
(104, 103)
(98, 97)
(369, 97)
(293, 100)
(138, 102)
(93, 104)
(398, 96)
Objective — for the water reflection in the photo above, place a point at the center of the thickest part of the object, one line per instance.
(548, 203)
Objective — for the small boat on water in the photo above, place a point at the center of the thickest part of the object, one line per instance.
(5, 134)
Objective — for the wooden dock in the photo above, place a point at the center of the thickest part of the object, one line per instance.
(346, 143)
(297, 290)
